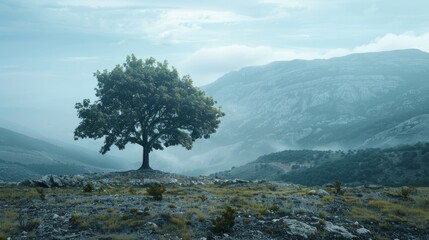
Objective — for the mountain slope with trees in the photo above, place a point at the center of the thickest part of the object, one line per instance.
(366, 100)
(402, 165)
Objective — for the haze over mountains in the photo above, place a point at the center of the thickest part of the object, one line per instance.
(23, 157)
(357, 101)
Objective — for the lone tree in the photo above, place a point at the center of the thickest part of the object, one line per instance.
(146, 103)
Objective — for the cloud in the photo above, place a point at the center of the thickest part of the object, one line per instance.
(393, 41)
(100, 3)
(208, 64)
(8, 67)
(118, 43)
(163, 23)
(80, 59)
(180, 25)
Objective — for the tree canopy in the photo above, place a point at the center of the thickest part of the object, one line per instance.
(146, 103)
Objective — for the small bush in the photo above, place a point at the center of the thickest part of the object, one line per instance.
(26, 223)
(77, 221)
(406, 191)
(225, 222)
(337, 186)
(203, 197)
(126, 216)
(274, 208)
(156, 191)
(41, 193)
(132, 191)
(89, 187)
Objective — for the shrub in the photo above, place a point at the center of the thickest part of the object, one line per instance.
(156, 191)
(132, 191)
(202, 197)
(406, 191)
(274, 208)
(89, 187)
(76, 220)
(337, 186)
(26, 223)
(225, 222)
(41, 193)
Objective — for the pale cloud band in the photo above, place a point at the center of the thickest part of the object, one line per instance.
(216, 61)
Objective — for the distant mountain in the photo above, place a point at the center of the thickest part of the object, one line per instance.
(23, 157)
(404, 165)
(357, 101)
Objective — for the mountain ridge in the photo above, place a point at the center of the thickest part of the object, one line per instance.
(28, 157)
(336, 103)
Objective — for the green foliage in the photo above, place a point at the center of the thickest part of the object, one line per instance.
(225, 222)
(294, 156)
(337, 186)
(89, 187)
(26, 223)
(406, 191)
(146, 103)
(156, 191)
(78, 221)
(403, 165)
(132, 191)
(41, 193)
(202, 197)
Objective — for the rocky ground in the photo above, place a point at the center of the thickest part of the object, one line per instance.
(118, 206)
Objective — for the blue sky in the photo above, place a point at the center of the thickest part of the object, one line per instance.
(50, 49)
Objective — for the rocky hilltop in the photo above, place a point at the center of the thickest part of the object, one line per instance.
(158, 205)
(363, 100)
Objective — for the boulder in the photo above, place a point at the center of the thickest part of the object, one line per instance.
(312, 192)
(330, 227)
(322, 192)
(374, 186)
(296, 227)
(148, 181)
(362, 231)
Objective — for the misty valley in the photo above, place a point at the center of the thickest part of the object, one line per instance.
(304, 149)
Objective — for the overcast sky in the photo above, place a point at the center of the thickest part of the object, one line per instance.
(50, 49)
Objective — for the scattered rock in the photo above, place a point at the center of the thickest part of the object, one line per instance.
(151, 224)
(50, 181)
(362, 231)
(148, 181)
(374, 186)
(296, 227)
(330, 227)
(312, 192)
(322, 192)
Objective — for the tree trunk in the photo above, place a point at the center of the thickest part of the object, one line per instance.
(145, 164)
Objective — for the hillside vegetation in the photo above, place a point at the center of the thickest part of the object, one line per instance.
(403, 165)
(367, 100)
(156, 205)
(23, 157)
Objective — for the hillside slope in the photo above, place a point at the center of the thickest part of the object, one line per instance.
(23, 157)
(404, 165)
(363, 100)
